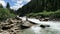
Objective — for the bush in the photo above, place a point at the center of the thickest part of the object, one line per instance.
(50, 14)
(5, 13)
(57, 14)
(44, 14)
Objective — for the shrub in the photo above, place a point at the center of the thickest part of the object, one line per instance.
(5, 13)
(57, 14)
(44, 14)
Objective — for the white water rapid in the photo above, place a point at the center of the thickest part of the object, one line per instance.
(36, 29)
(53, 29)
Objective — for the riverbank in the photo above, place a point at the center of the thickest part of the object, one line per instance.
(14, 26)
(45, 18)
(10, 26)
(51, 15)
(20, 26)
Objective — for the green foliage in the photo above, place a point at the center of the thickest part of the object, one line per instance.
(51, 14)
(5, 13)
(36, 6)
(8, 5)
(1, 6)
(56, 14)
(44, 14)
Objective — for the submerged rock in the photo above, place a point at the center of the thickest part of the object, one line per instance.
(44, 26)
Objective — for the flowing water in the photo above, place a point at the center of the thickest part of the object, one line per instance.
(36, 29)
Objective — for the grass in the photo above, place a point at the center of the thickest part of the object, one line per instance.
(45, 14)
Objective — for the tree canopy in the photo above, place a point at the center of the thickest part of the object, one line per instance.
(5, 12)
(39, 6)
(1, 6)
(8, 5)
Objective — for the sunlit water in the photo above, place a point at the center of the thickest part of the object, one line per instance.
(36, 29)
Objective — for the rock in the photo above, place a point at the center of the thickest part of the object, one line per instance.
(5, 28)
(47, 25)
(1, 30)
(10, 26)
(0, 33)
(27, 23)
(33, 23)
(24, 27)
(17, 17)
(44, 26)
(44, 19)
(5, 32)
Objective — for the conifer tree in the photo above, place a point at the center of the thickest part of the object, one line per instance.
(8, 5)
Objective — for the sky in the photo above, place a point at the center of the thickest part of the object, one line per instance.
(14, 4)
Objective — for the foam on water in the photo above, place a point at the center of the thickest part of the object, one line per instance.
(48, 30)
(53, 29)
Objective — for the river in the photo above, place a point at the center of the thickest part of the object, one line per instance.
(36, 29)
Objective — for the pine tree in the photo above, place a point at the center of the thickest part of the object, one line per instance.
(8, 5)
(1, 6)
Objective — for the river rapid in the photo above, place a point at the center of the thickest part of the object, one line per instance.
(36, 29)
